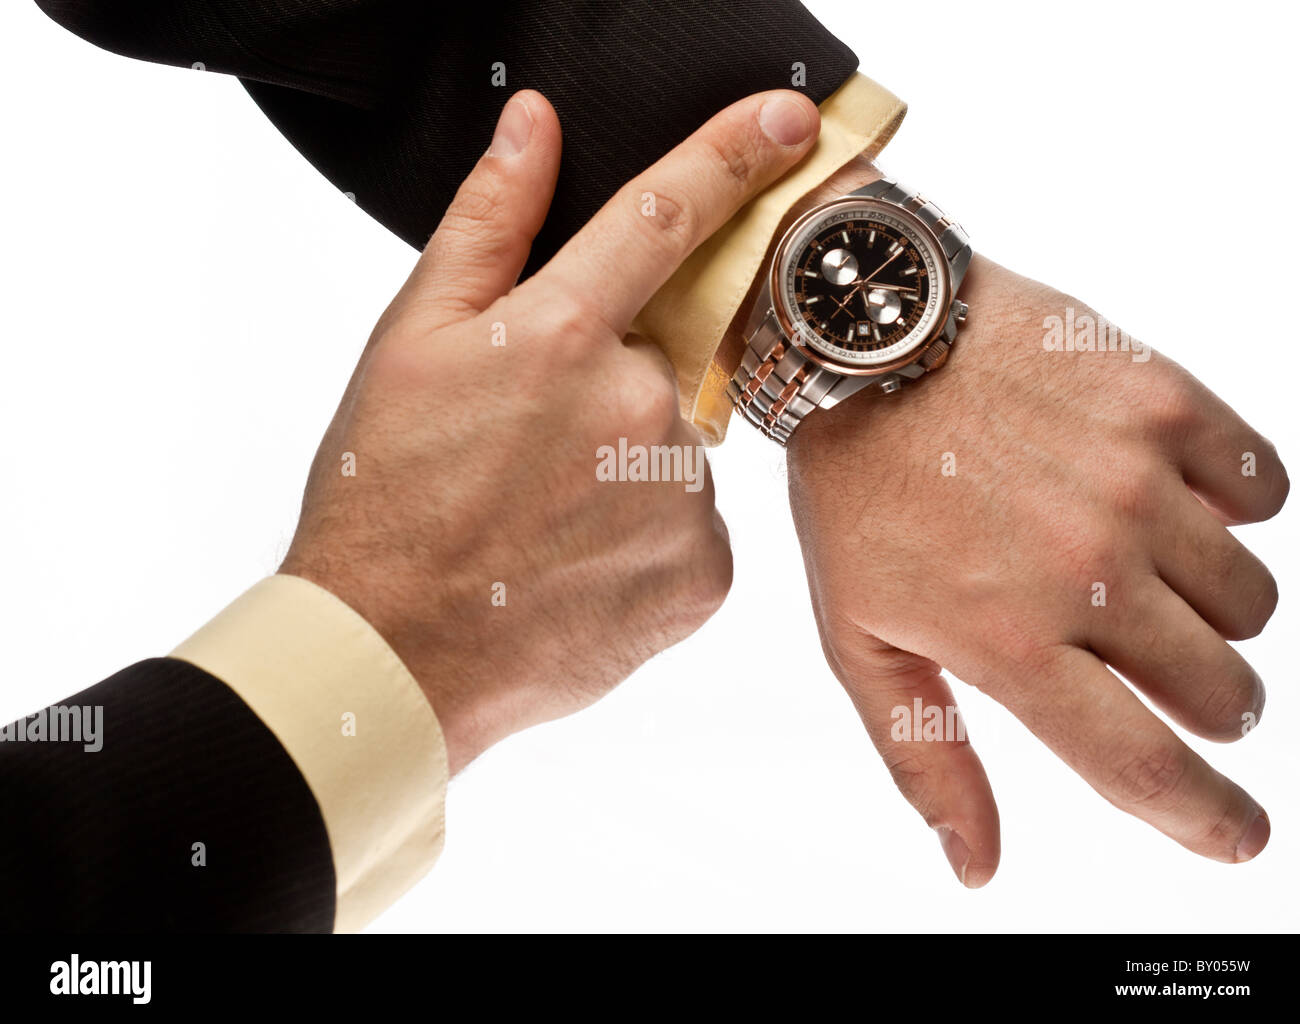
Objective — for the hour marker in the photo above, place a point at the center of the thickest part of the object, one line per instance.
(810, 273)
(894, 248)
(822, 325)
(871, 238)
(909, 270)
(875, 332)
(845, 235)
(911, 295)
(811, 299)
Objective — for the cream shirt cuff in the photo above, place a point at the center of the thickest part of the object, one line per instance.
(689, 315)
(355, 722)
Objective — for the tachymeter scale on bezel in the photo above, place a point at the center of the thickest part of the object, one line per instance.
(862, 284)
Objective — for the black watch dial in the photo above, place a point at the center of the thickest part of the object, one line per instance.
(862, 286)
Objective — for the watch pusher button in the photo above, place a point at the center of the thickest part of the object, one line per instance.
(959, 310)
(889, 385)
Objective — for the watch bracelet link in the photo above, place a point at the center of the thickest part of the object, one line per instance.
(776, 385)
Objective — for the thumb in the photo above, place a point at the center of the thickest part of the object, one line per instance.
(480, 247)
(912, 718)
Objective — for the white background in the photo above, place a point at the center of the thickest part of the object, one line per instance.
(184, 298)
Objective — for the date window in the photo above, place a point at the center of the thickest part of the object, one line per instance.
(864, 328)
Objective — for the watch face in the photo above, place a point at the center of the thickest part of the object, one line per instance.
(861, 282)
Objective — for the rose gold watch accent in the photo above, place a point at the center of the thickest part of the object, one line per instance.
(786, 322)
(783, 399)
(755, 384)
(936, 355)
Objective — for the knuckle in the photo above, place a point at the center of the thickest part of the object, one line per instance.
(1259, 609)
(1151, 778)
(734, 157)
(699, 553)
(1136, 493)
(1223, 833)
(913, 775)
(568, 318)
(659, 405)
(672, 221)
(1026, 656)
(1085, 553)
(1268, 454)
(711, 583)
(1240, 586)
(832, 651)
(1176, 409)
(642, 403)
(1220, 588)
(400, 361)
(861, 660)
(841, 645)
(906, 765)
(475, 205)
(1222, 709)
(1222, 563)
(701, 585)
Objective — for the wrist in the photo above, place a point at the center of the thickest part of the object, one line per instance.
(468, 727)
(962, 385)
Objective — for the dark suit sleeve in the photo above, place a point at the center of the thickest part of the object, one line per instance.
(104, 840)
(394, 101)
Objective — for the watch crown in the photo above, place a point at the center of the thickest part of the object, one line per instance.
(936, 355)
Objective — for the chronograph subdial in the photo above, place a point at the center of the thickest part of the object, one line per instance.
(861, 285)
(883, 305)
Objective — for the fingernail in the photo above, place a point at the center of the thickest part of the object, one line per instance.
(784, 121)
(1255, 839)
(956, 850)
(514, 128)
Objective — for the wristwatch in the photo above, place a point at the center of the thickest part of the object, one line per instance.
(861, 295)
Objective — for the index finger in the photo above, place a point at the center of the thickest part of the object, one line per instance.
(633, 244)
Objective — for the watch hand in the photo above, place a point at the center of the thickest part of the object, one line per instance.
(891, 287)
(842, 307)
(882, 266)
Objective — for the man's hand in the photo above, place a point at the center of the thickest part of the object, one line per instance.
(475, 535)
(1024, 518)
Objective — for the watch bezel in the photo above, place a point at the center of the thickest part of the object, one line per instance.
(796, 336)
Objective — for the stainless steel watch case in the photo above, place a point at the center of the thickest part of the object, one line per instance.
(782, 377)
